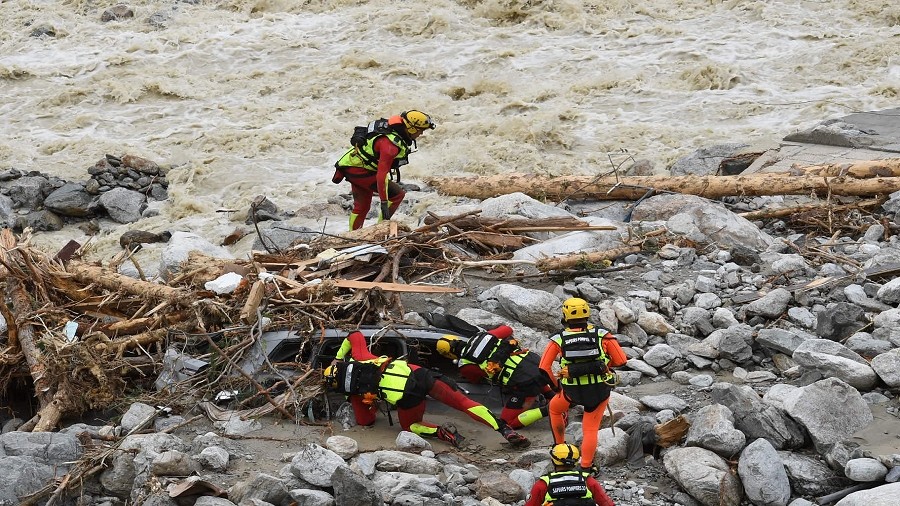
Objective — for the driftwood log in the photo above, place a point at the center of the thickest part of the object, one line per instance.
(633, 188)
(594, 257)
(862, 169)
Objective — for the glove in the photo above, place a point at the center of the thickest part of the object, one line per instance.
(384, 212)
(564, 372)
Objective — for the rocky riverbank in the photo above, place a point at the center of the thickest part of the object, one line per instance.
(776, 338)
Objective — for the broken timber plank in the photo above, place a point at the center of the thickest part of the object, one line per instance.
(393, 287)
(254, 299)
(557, 188)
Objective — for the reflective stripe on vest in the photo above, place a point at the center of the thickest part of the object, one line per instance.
(583, 346)
(567, 487)
(393, 381)
(509, 367)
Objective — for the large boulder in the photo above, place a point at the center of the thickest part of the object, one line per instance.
(830, 410)
(703, 221)
(704, 475)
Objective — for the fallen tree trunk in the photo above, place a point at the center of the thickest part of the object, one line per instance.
(806, 208)
(570, 261)
(632, 188)
(114, 281)
(862, 169)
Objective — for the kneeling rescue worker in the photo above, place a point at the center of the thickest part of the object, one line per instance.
(496, 356)
(566, 486)
(378, 152)
(367, 378)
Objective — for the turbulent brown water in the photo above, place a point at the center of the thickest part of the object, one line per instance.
(245, 97)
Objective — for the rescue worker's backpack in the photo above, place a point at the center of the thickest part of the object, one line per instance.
(361, 134)
(485, 346)
(357, 378)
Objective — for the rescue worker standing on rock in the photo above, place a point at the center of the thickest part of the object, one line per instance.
(379, 151)
(496, 357)
(405, 386)
(566, 486)
(586, 355)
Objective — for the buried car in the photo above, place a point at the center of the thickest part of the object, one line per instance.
(275, 354)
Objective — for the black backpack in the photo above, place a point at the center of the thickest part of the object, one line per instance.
(357, 378)
(362, 134)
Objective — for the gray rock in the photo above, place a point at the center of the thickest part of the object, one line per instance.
(137, 413)
(811, 477)
(261, 487)
(664, 401)
(699, 219)
(214, 458)
(22, 476)
(354, 489)
(712, 427)
(756, 418)
(316, 464)
(763, 475)
(704, 475)
(306, 497)
(705, 161)
(41, 221)
(836, 360)
(48, 447)
(840, 321)
(829, 409)
(771, 305)
(123, 205)
(29, 192)
(499, 486)
(885, 495)
(887, 367)
(71, 199)
(865, 470)
(346, 447)
(7, 213)
(535, 308)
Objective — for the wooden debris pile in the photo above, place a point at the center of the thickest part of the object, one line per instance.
(84, 337)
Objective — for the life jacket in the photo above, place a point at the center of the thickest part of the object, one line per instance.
(582, 347)
(358, 378)
(486, 349)
(567, 488)
(363, 153)
(396, 379)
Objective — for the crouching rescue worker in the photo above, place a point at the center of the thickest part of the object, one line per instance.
(586, 353)
(495, 356)
(565, 485)
(378, 152)
(367, 378)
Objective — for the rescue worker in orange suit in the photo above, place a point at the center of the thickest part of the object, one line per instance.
(566, 486)
(406, 386)
(369, 164)
(586, 353)
(496, 357)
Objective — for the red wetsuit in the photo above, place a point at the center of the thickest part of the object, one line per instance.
(364, 183)
(411, 408)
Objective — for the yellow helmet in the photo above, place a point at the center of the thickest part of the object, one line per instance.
(330, 376)
(448, 346)
(565, 454)
(416, 121)
(575, 309)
